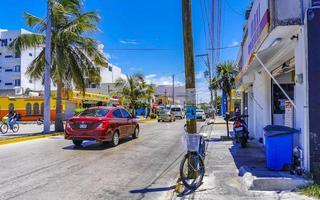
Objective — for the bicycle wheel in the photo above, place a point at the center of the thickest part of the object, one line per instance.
(15, 128)
(4, 128)
(192, 170)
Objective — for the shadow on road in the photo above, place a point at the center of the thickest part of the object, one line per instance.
(148, 190)
(94, 146)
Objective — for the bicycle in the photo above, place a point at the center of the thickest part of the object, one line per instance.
(5, 126)
(192, 167)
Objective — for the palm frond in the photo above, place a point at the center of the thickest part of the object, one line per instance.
(27, 41)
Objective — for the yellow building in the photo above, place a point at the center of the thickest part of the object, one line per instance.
(31, 108)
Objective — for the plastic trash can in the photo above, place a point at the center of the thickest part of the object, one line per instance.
(278, 146)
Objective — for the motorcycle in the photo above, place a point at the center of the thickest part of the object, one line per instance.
(240, 129)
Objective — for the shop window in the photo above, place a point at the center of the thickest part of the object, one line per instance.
(28, 109)
(36, 110)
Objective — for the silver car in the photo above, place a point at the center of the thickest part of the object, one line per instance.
(177, 111)
(166, 115)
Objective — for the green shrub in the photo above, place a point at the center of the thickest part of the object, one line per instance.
(153, 116)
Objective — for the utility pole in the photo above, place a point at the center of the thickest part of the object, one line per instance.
(165, 97)
(207, 62)
(47, 79)
(173, 90)
(189, 66)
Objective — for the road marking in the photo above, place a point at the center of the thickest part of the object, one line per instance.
(27, 138)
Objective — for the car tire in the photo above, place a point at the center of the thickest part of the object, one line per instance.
(135, 135)
(115, 139)
(174, 119)
(159, 120)
(77, 143)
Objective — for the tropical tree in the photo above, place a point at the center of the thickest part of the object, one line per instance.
(149, 92)
(75, 56)
(132, 89)
(226, 78)
(215, 87)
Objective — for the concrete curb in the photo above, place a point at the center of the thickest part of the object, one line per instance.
(286, 182)
(27, 138)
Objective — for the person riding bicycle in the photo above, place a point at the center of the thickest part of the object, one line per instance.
(12, 118)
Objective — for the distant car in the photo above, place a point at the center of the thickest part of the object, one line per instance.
(166, 115)
(178, 112)
(102, 124)
(200, 114)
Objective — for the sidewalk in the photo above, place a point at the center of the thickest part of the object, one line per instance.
(223, 163)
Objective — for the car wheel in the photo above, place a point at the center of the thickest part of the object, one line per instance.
(158, 120)
(174, 119)
(135, 135)
(115, 139)
(77, 143)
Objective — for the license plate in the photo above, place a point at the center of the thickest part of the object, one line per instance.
(83, 126)
(239, 129)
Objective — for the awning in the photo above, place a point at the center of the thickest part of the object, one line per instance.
(273, 56)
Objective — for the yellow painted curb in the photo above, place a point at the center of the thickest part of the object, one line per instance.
(27, 138)
(147, 120)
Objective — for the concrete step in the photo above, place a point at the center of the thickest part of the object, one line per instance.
(265, 180)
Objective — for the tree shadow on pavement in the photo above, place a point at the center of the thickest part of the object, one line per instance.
(94, 146)
(148, 190)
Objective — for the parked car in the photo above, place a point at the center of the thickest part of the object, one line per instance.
(102, 124)
(166, 115)
(200, 114)
(177, 111)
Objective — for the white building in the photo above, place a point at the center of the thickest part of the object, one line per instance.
(276, 51)
(13, 67)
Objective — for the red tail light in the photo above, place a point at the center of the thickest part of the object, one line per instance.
(237, 124)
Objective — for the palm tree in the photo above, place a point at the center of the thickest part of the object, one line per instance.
(132, 89)
(149, 91)
(75, 57)
(215, 87)
(226, 78)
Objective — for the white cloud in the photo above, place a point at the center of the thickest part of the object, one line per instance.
(160, 80)
(107, 55)
(150, 76)
(133, 42)
(235, 43)
(135, 69)
(199, 75)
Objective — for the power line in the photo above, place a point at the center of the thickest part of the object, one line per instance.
(232, 9)
(168, 49)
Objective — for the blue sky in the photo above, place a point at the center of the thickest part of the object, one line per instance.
(139, 24)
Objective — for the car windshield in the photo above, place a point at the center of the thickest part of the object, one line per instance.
(176, 109)
(94, 113)
(164, 112)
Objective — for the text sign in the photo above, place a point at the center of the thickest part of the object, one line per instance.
(191, 112)
(257, 24)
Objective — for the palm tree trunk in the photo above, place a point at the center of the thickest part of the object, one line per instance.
(215, 100)
(59, 115)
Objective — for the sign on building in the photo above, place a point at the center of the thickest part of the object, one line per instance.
(258, 25)
(288, 117)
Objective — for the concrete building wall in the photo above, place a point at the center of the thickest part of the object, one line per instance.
(13, 68)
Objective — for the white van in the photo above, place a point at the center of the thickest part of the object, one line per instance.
(177, 111)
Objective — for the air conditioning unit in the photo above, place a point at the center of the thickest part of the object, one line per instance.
(18, 91)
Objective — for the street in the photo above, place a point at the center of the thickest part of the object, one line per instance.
(146, 168)
(52, 169)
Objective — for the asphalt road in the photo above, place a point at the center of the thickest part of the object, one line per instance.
(52, 168)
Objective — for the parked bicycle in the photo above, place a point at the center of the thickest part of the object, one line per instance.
(192, 167)
(5, 126)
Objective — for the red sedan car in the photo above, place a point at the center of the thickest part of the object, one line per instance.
(102, 124)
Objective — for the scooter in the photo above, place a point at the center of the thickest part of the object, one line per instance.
(240, 129)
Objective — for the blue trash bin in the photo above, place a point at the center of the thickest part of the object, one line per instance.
(279, 146)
